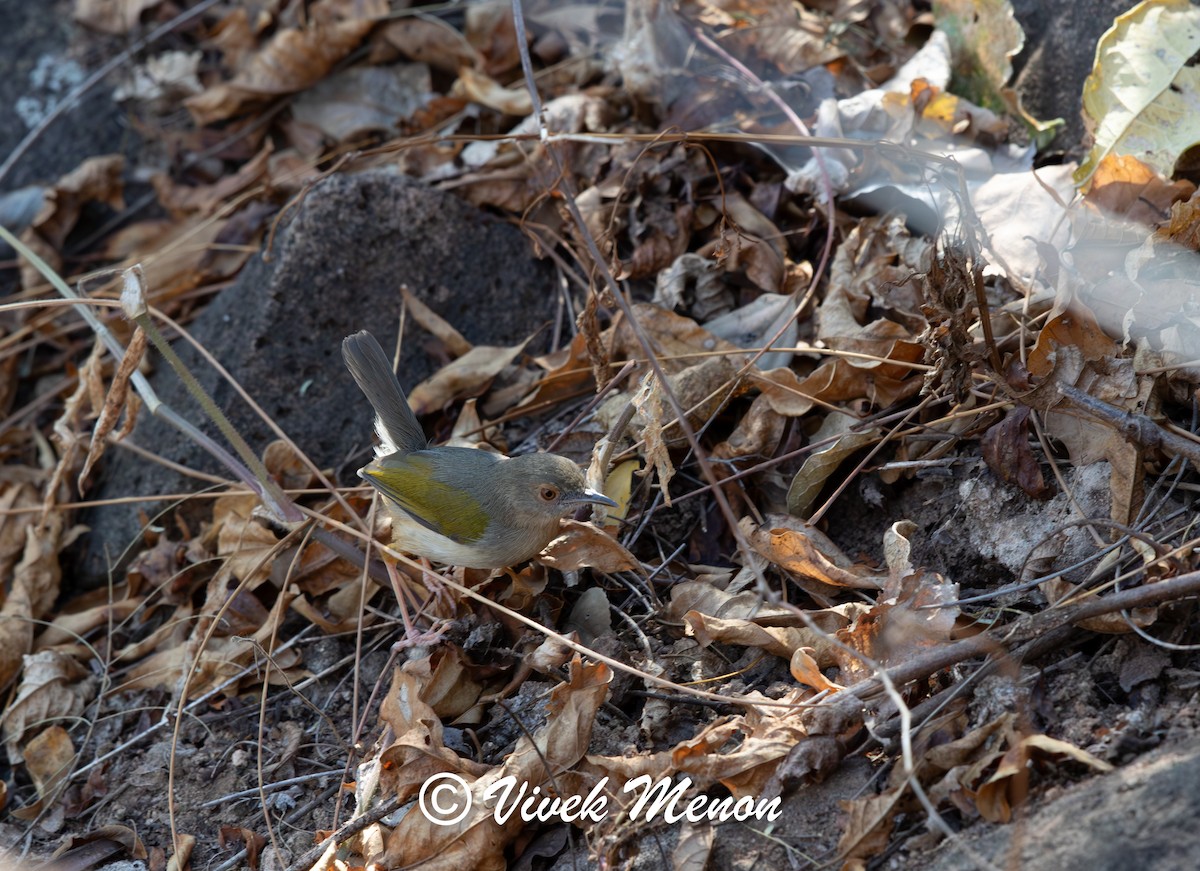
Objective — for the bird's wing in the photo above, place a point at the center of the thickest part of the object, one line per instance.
(408, 481)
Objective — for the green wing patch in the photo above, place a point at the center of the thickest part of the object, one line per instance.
(436, 505)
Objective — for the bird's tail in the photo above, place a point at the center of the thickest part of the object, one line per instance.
(398, 428)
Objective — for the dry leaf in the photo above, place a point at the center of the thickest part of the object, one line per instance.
(490, 29)
(114, 403)
(356, 102)
(653, 411)
(479, 88)
(204, 200)
(53, 687)
(781, 641)
(805, 669)
(468, 375)
(757, 434)
(1007, 788)
(797, 547)
(435, 324)
(431, 41)
(477, 841)
(582, 545)
(294, 59)
(97, 179)
(49, 757)
(1125, 187)
(35, 586)
(822, 463)
(693, 847)
(1005, 449)
(122, 835)
(117, 17)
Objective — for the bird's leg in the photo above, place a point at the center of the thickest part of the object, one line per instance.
(412, 638)
(437, 590)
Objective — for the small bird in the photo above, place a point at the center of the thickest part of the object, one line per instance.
(459, 506)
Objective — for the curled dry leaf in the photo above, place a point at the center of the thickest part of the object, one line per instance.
(294, 59)
(702, 390)
(451, 687)
(478, 841)
(713, 601)
(949, 772)
(287, 466)
(1007, 788)
(1089, 406)
(433, 323)
(54, 686)
(797, 547)
(1139, 97)
(838, 380)
(678, 340)
(781, 641)
(792, 39)
(117, 400)
(247, 546)
(568, 374)
(1005, 449)
(652, 413)
(122, 835)
(218, 664)
(760, 321)
(482, 89)
(97, 179)
(431, 41)
(693, 847)
(693, 284)
(35, 586)
(49, 756)
(821, 464)
(163, 80)
(805, 669)
(67, 628)
(117, 17)
(741, 753)
(469, 374)
(490, 29)
(757, 434)
(914, 611)
(1075, 327)
(229, 837)
(582, 545)
(356, 102)
(1124, 186)
(183, 200)
(418, 750)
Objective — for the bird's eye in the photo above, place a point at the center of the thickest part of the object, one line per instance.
(548, 494)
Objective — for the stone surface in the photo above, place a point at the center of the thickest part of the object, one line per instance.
(1140, 816)
(336, 268)
(1060, 47)
(45, 56)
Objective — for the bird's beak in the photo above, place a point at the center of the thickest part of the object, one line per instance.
(590, 496)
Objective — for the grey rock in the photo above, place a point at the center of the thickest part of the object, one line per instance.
(1140, 816)
(44, 60)
(1060, 47)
